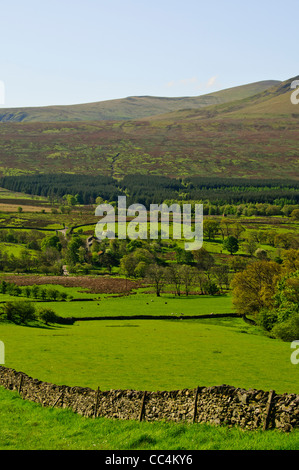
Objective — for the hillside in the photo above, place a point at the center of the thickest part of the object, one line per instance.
(255, 137)
(273, 102)
(255, 148)
(133, 107)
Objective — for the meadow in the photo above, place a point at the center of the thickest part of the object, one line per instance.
(150, 354)
(138, 304)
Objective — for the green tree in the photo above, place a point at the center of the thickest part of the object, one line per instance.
(174, 276)
(188, 274)
(52, 241)
(210, 228)
(203, 259)
(221, 274)
(72, 252)
(35, 291)
(295, 214)
(157, 275)
(250, 246)
(47, 315)
(53, 294)
(3, 287)
(43, 294)
(21, 311)
(254, 287)
(183, 256)
(231, 244)
(70, 199)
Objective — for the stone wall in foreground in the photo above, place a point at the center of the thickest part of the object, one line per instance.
(218, 405)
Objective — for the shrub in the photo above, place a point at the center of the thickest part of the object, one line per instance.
(288, 330)
(267, 319)
(211, 288)
(47, 315)
(19, 312)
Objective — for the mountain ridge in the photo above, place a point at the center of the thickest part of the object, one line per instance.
(131, 107)
(275, 101)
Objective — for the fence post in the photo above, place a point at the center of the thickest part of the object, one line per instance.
(195, 405)
(268, 409)
(142, 406)
(96, 403)
(21, 383)
(56, 401)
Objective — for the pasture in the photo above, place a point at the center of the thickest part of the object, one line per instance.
(149, 354)
(139, 304)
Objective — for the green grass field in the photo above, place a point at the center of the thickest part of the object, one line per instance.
(139, 304)
(151, 354)
(143, 355)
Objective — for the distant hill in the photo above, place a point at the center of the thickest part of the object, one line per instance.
(254, 137)
(133, 107)
(272, 102)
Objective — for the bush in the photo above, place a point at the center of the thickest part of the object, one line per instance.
(267, 319)
(288, 330)
(19, 312)
(211, 288)
(47, 315)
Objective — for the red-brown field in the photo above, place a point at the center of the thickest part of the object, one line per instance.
(94, 284)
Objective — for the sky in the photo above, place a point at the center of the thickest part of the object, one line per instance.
(57, 52)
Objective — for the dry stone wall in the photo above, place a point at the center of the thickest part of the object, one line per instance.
(218, 405)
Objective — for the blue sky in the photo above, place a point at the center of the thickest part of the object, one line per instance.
(78, 51)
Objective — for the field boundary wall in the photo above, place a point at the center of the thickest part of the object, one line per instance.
(218, 405)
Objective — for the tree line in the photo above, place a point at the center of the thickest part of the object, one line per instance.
(268, 292)
(151, 189)
(34, 292)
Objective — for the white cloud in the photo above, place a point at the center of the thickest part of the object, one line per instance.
(211, 81)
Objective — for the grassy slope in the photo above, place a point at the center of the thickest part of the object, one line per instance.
(209, 147)
(275, 101)
(252, 137)
(151, 354)
(134, 107)
(140, 304)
